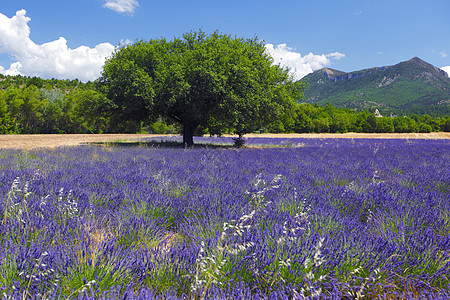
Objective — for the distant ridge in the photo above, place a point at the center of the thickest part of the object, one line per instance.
(412, 86)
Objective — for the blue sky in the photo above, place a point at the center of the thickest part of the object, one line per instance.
(71, 39)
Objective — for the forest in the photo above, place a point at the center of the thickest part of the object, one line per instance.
(31, 105)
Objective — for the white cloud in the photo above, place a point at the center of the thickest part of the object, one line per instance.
(446, 69)
(380, 52)
(122, 6)
(443, 54)
(299, 65)
(125, 42)
(357, 12)
(49, 60)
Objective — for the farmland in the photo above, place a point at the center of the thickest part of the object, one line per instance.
(281, 219)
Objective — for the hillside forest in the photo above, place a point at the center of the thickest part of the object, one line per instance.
(31, 105)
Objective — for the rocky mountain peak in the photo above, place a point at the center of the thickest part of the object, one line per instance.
(412, 86)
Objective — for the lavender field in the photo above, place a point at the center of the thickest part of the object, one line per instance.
(282, 219)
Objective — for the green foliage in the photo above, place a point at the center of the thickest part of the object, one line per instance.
(36, 81)
(445, 124)
(91, 110)
(92, 271)
(199, 80)
(384, 125)
(412, 86)
(306, 118)
(424, 128)
(209, 82)
(160, 127)
(19, 81)
(9, 270)
(49, 109)
(404, 124)
(21, 110)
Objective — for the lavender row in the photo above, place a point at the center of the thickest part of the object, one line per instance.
(322, 219)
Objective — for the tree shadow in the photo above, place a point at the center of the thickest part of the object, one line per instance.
(160, 144)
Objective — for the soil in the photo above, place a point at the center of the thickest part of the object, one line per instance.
(31, 141)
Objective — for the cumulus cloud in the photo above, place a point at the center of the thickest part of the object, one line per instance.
(122, 6)
(443, 54)
(49, 60)
(300, 65)
(446, 69)
(125, 42)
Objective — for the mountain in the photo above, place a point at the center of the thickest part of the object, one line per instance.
(412, 86)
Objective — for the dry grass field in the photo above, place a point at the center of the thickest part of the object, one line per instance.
(30, 141)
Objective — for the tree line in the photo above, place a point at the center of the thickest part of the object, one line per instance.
(29, 109)
(196, 84)
(308, 118)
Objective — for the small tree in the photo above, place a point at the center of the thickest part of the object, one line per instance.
(199, 80)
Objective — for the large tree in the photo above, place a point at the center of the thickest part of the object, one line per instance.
(210, 80)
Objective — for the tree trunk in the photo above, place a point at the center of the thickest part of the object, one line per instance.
(188, 135)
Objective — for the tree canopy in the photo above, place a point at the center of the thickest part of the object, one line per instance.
(214, 81)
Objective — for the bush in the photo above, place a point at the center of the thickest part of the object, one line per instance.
(424, 128)
(158, 128)
(238, 142)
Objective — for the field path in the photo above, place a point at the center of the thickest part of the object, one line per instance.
(30, 141)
